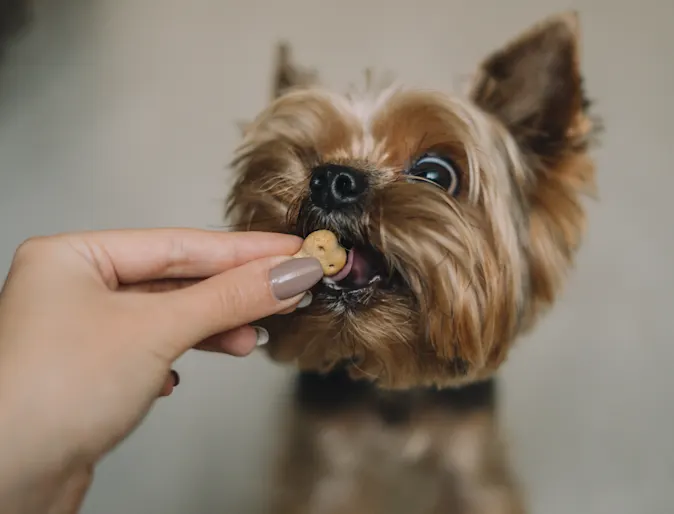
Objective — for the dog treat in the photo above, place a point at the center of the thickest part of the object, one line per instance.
(324, 245)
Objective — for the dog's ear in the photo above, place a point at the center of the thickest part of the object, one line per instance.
(288, 76)
(534, 86)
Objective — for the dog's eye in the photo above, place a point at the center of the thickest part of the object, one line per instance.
(439, 170)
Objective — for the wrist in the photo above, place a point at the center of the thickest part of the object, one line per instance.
(43, 493)
(34, 472)
(31, 486)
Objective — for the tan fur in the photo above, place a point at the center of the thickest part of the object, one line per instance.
(480, 267)
(352, 463)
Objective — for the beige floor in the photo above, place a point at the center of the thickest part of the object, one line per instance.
(120, 113)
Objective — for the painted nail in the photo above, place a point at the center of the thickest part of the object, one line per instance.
(176, 378)
(261, 336)
(306, 300)
(295, 276)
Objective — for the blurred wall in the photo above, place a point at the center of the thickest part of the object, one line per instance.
(121, 113)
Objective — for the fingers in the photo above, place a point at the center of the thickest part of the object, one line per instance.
(241, 341)
(238, 342)
(159, 286)
(232, 299)
(130, 256)
(304, 302)
(171, 383)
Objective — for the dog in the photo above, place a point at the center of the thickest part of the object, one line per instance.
(462, 217)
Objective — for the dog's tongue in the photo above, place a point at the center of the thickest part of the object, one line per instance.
(357, 269)
(346, 269)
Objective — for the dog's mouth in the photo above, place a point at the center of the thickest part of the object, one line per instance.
(367, 268)
(364, 268)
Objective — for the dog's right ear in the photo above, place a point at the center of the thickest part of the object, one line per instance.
(534, 86)
(288, 76)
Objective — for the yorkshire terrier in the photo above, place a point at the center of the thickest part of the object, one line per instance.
(462, 218)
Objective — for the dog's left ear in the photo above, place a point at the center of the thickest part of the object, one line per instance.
(534, 87)
(288, 76)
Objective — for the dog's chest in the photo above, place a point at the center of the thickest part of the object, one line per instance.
(389, 453)
(388, 469)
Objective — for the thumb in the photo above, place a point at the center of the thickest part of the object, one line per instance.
(236, 297)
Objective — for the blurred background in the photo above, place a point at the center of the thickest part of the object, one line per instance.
(122, 113)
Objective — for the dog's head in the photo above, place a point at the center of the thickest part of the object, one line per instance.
(462, 216)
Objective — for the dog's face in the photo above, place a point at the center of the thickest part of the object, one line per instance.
(461, 216)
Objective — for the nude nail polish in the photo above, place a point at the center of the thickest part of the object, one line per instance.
(295, 276)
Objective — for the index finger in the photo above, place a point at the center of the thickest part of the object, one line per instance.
(132, 256)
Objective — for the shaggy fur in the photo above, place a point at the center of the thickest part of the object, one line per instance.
(463, 275)
(395, 407)
(355, 449)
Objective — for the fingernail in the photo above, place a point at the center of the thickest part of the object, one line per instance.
(306, 300)
(176, 377)
(294, 276)
(261, 336)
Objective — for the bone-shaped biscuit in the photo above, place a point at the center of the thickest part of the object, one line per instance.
(324, 246)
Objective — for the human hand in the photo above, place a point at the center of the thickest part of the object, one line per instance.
(90, 325)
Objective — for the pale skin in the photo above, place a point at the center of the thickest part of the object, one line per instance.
(90, 325)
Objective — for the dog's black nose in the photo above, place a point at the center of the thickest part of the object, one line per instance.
(334, 186)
